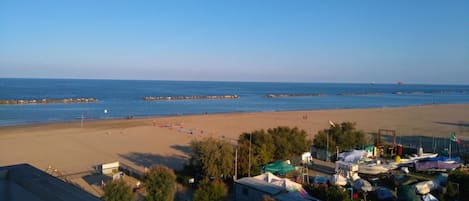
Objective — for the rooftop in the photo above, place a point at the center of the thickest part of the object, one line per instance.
(25, 182)
(260, 185)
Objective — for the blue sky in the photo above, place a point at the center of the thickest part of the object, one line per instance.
(418, 41)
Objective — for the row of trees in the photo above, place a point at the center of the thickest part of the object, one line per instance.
(214, 158)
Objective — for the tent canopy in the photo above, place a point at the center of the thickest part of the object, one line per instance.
(279, 168)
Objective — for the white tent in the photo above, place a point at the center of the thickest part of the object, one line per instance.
(282, 182)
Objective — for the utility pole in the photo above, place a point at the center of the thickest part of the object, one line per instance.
(250, 142)
(327, 139)
(236, 164)
(337, 153)
(327, 146)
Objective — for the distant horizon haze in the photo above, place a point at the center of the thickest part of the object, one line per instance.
(399, 82)
(419, 42)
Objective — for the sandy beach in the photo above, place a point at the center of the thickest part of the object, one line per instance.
(164, 140)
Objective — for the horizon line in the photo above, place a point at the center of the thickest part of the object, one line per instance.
(239, 81)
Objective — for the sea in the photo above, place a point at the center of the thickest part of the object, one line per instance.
(124, 98)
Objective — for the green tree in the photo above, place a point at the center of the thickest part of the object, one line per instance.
(279, 143)
(211, 191)
(289, 142)
(461, 178)
(212, 157)
(331, 193)
(117, 191)
(262, 151)
(160, 183)
(344, 135)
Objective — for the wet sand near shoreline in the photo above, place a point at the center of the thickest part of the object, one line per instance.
(164, 140)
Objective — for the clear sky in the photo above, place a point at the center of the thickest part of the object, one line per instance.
(415, 41)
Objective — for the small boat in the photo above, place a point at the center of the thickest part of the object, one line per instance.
(416, 157)
(438, 164)
(425, 187)
(374, 168)
(339, 180)
(362, 185)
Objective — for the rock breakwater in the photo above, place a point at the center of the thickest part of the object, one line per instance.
(290, 95)
(361, 94)
(165, 98)
(48, 101)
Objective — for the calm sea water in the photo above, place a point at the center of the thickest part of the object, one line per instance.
(123, 98)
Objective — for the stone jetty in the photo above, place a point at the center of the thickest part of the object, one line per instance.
(166, 98)
(361, 94)
(47, 101)
(290, 95)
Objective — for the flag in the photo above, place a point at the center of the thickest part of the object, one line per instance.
(453, 138)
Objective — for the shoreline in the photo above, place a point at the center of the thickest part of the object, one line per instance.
(142, 142)
(37, 124)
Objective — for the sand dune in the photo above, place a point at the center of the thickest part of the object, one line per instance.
(143, 142)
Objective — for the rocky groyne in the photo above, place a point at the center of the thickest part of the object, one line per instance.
(166, 98)
(361, 94)
(431, 92)
(290, 95)
(48, 101)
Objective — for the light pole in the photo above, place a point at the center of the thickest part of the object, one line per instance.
(249, 168)
(327, 146)
(337, 153)
(327, 139)
(236, 164)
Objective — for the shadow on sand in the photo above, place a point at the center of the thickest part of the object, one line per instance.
(185, 149)
(175, 162)
(96, 179)
(459, 124)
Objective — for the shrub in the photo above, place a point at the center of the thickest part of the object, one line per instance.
(211, 191)
(117, 191)
(160, 184)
